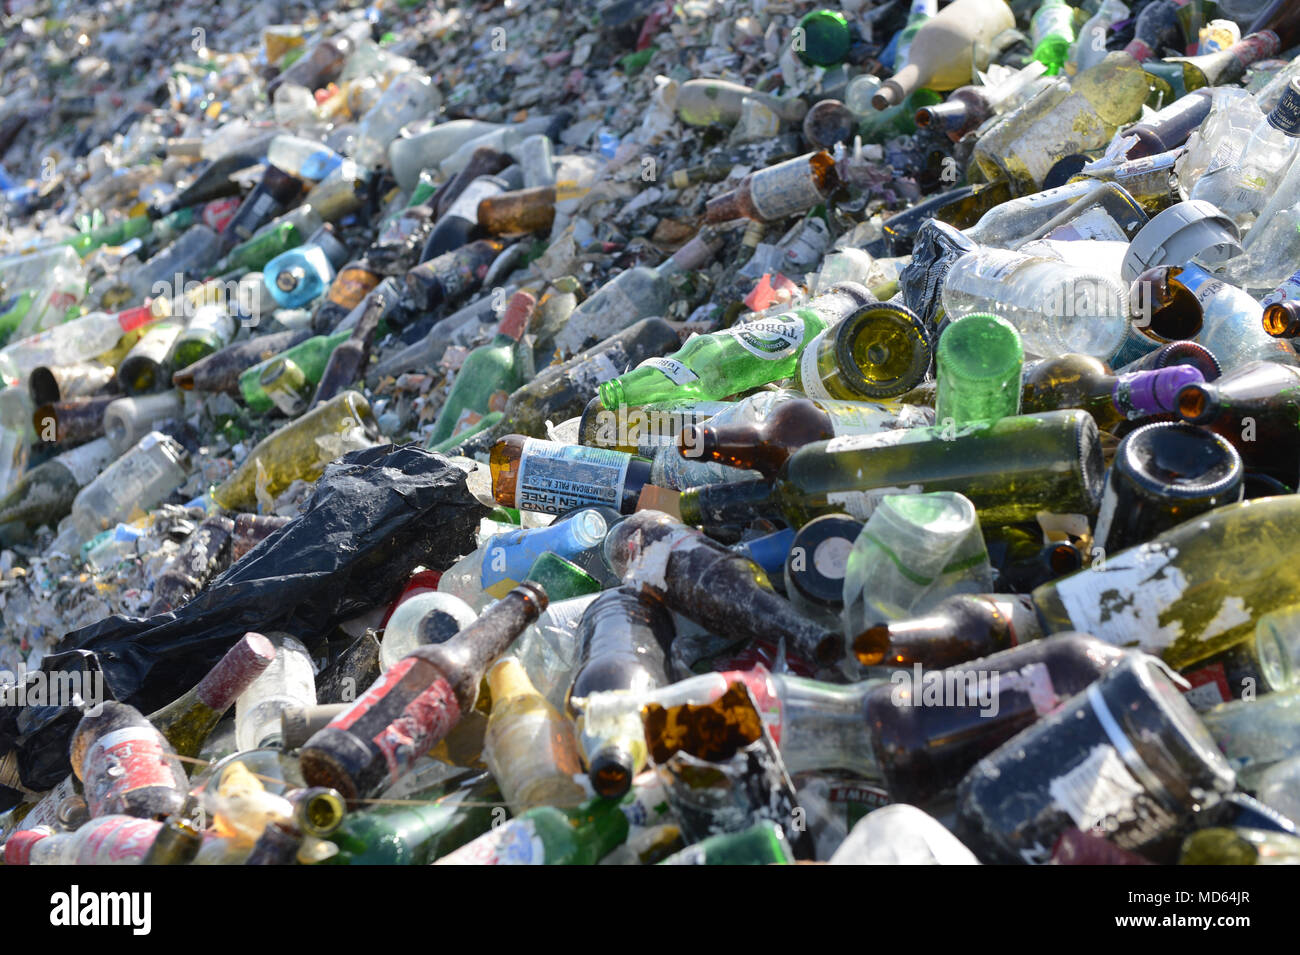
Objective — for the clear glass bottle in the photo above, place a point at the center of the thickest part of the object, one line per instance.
(289, 681)
(127, 420)
(1055, 306)
(530, 747)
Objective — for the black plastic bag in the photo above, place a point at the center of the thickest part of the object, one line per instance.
(373, 517)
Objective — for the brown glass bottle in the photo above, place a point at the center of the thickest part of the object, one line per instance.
(484, 161)
(764, 445)
(221, 370)
(349, 289)
(924, 749)
(415, 703)
(625, 637)
(126, 765)
(1170, 127)
(518, 212)
(776, 192)
(250, 530)
(1256, 408)
(447, 278)
(1281, 17)
(72, 421)
(958, 629)
(716, 587)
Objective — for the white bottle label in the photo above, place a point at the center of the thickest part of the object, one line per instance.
(810, 382)
(1122, 600)
(1096, 223)
(1099, 789)
(554, 478)
(677, 373)
(784, 189)
(466, 204)
(1200, 283)
(860, 505)
(513, 843)
(769, 339)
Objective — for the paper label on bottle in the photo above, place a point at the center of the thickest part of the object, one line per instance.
(1121, 600)
(810, 381)
(122, 761)
(1288, 291)
(1035, 681)
(513, 843)
(1071, 127)
(422, 723)
(46, 812)
(677, 372)
(593, 371)
(554, 478)
(1286, 114)
(85, 463)
(860, 505)
(1106, 513)
(769, 339)
(1200, 283)
(784, 189)
(1209, 687)
(118, 841)
(1098, 790)
(466, 204)
(412, 731)
(1096, 223)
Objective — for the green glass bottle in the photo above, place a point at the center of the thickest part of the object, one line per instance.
(979, 362)
(210, 330)
(261, 248)
(1189, 592)
(487, 370)
(1010, 469)
(763, 844)
(115, 234)
(310, 356)
(1239, 846)
(1052, 31)
(880, 351)
(561, 578)
(431, 824)
(824, 38)
(549, 836)
(735, 359)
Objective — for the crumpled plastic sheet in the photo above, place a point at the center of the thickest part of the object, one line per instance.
(374, 516)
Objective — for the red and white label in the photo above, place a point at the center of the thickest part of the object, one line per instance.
(122, 761)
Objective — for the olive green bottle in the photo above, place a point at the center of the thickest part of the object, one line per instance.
(1010, 469)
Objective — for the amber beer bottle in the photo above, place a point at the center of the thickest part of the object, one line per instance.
(763, 445)
(1256, 408)
(536, 475)
(772, 194)
(415, 703)
(960, 628)
(127, 765)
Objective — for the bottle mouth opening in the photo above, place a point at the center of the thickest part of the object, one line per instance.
(1278, 321)
(870, 646)
(1192, 402)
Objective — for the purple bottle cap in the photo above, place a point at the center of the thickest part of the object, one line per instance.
(1142, 393)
